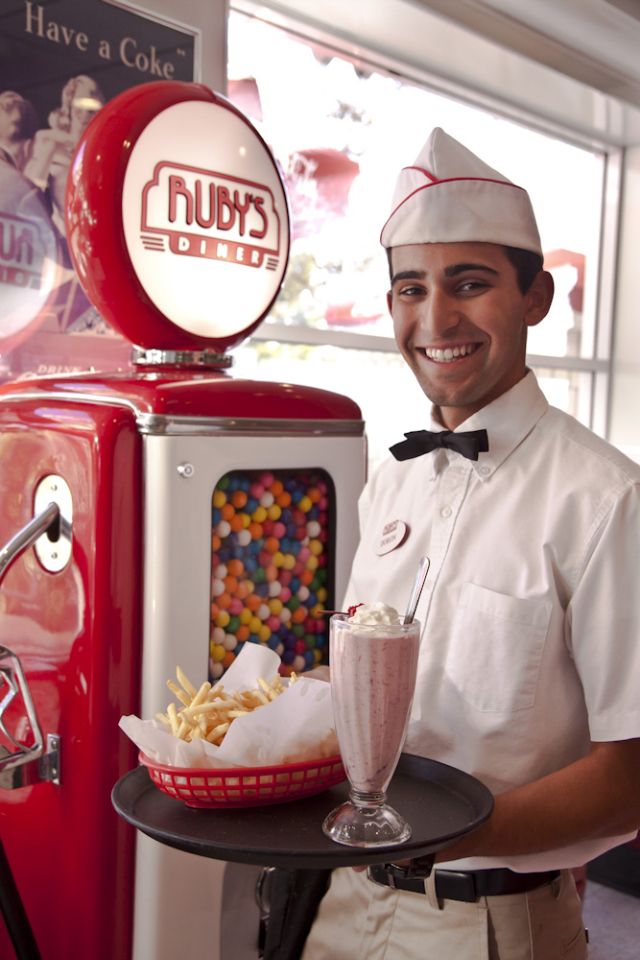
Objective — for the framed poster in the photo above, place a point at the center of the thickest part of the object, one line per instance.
(60, 62)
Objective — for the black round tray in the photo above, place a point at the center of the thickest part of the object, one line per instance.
(440, 802)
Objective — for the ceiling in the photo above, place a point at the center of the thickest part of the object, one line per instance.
(594, 41)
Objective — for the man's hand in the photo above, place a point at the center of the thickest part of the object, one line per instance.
(595, 797)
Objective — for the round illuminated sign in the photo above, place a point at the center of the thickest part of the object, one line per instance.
(30, 269)
(177, 218)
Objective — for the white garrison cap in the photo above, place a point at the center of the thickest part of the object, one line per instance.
(450, 195)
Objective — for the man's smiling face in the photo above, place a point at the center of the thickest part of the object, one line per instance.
(460, 321)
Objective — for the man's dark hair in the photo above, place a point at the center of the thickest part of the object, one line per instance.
(526, 263)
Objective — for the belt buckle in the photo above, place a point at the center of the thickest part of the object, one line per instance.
(456, 885)
(419, 869)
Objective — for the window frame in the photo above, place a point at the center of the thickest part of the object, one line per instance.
(598, 366)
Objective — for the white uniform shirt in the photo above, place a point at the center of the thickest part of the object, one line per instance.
(531, 618)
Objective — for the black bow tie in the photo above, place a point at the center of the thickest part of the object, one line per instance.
(469, 443)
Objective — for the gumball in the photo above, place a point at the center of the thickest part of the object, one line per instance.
(222, 619)
(215, 669)
(223, 529)
(218, 652)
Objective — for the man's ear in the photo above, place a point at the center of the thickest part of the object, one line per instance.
(389, 300)
(539, 297)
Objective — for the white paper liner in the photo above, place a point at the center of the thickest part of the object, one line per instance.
(298, 725)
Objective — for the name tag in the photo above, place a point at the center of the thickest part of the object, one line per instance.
(394, 533)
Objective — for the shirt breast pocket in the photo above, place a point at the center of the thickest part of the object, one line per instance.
(496, 649)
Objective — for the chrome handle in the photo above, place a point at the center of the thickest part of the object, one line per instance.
(25, 765)
(26, 537)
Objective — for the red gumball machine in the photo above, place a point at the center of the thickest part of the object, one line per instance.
(163, 516)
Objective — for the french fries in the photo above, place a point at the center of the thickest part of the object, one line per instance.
(207, 713)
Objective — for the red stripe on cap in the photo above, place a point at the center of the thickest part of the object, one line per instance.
(426, 172)
(435, 183)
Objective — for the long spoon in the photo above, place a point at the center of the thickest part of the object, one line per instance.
(418, 584)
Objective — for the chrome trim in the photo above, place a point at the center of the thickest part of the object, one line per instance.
(73, 396)
(158, 424)
(161, 425)
(202, 359)
(53, 549)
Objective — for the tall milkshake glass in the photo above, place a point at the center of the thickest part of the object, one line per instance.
(373, 677)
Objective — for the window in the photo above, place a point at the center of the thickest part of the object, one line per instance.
(341, 129)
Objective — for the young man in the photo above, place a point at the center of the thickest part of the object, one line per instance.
(530, 657)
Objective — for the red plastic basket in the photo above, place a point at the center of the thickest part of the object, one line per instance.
(245, 786)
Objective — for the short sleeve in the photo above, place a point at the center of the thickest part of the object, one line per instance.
(604, 622)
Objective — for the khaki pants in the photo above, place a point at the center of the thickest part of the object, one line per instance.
(361, 920)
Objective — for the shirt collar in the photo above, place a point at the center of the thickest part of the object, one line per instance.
(507, 420)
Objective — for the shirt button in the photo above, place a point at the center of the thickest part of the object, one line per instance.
(485, 471)
(445, 512)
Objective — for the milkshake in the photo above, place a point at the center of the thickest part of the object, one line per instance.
(374, 659)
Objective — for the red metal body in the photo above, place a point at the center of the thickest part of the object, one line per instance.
(78, 632)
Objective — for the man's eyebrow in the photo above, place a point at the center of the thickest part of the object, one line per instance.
(451, 271)
(457, 268)
(409, 275)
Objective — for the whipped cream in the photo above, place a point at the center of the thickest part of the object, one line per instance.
(375, 614)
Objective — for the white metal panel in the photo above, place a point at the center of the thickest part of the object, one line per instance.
(178, 895)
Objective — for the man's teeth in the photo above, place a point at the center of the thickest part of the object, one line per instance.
(449, 353)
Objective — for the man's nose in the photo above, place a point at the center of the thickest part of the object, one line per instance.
(439, 316)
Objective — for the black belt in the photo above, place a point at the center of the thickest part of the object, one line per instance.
(458, 885)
